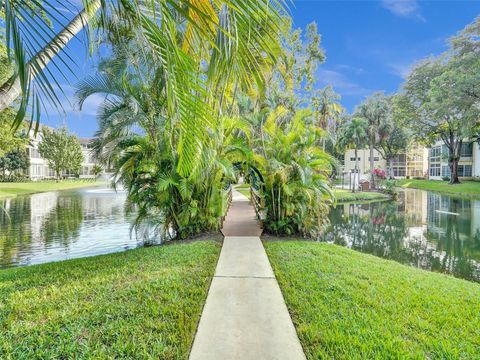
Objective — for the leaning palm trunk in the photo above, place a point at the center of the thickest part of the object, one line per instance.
(12, 89)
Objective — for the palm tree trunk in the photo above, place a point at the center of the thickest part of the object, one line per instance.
(355, 176)
(12, 88)
(372, 166)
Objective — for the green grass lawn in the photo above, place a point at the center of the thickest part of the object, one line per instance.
(139, 304)
(347, 196)
(349, 305)
(466, 188)
(25, 188)
(243, 189)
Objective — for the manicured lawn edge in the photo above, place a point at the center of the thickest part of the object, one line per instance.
(33, 187)
(142, 303)
(350, 305)
(344, 196)
(465, 189)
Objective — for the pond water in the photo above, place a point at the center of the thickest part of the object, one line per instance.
(61, 225)
(424, 229)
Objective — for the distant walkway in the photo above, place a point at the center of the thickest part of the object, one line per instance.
(245, 316)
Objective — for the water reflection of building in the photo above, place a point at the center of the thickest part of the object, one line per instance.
(40, 206)
(421, 229)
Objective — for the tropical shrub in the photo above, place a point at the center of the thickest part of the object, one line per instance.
(294, 190)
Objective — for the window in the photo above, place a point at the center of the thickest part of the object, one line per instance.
(35, 154)
(434, 170)
(353, 159)
(399, 171)
(464, 170)
(445, 171)
(435, 154)
(466, 150)
(375, 158)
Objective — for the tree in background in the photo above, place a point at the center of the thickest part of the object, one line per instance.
(327, 110)
(13, 162)
(62, 151)
(10, 140)
(440, 98)
(353, 134)
(376, 110)
(397, 140)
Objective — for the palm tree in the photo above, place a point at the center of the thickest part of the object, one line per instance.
(202, 45)
(354, 134)
(376, 110)
(295, 189)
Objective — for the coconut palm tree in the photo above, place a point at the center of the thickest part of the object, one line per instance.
(353, 134)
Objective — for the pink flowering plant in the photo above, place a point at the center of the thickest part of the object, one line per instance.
(379, 173)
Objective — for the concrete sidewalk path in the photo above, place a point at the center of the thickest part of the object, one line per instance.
(245, 316)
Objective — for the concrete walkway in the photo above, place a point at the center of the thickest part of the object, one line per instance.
(245, 316)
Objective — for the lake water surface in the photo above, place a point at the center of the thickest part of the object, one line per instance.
(61, 225)
(423, 229)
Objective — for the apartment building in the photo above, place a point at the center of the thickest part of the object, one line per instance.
(468, 166)
(412, 163)
(39, 168)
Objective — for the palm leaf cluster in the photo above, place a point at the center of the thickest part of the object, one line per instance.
(202, 47)
(295, 191)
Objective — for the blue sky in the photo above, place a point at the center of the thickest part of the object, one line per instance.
(370, 46)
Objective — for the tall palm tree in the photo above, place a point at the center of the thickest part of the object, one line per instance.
(354, 134)
(376, 110)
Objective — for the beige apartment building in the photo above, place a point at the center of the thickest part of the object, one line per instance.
(412, 163)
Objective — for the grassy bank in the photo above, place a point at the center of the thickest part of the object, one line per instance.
(243, 189)
(349, 305)
(25, 188)
(143, 303)
(466, 188)
(347, 196)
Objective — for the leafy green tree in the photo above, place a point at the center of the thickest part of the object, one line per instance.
(353, 134)
(397, 140)
(377, 112)
(10, 140)
(61, 150)
(440, 110)
(440, 98)
(14, 161)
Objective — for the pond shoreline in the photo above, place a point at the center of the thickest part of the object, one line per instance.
(13, 189)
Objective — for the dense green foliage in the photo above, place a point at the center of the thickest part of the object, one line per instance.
(61, 150)
(466, 188)
(349, 305)
(441, 96)
(294, 189)
(138, 304)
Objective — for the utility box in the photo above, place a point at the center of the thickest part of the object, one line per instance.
(365, 185)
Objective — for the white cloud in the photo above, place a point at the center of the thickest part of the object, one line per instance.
(341, 83)
(401, 70)
(404, 8)
(70, 105)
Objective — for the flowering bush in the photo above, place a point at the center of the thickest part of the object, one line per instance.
(379, 173)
